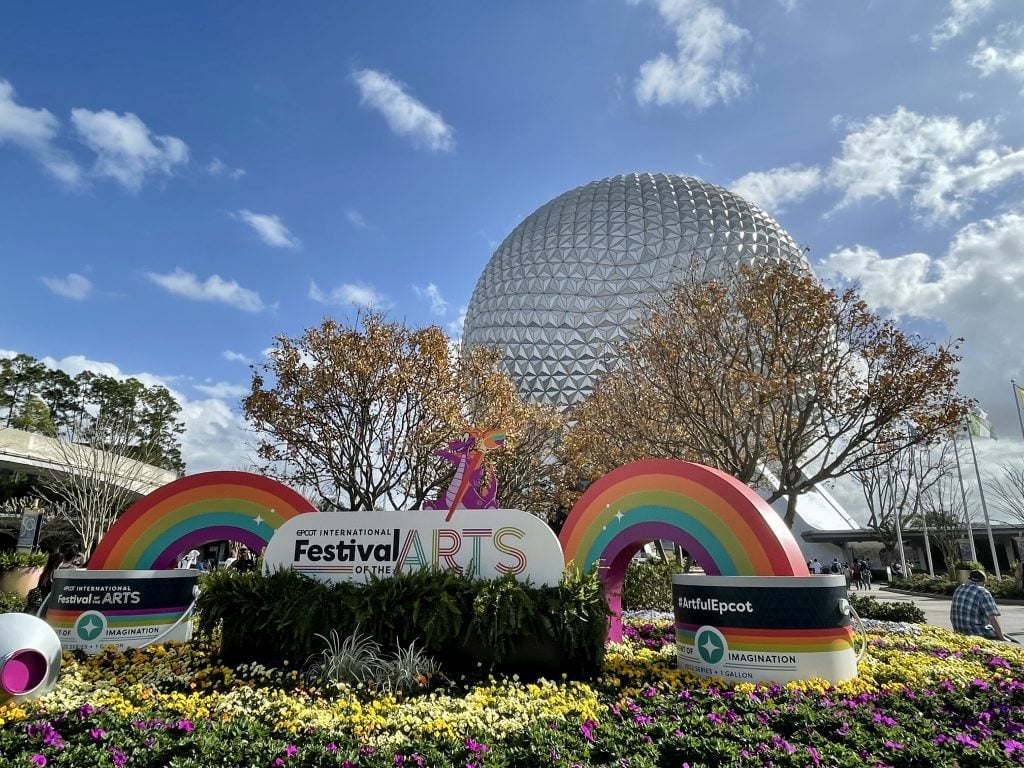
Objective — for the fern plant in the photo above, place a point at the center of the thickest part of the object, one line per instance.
(503, 612)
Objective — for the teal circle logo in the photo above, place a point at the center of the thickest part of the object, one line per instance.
(711, 645)
(90, 625)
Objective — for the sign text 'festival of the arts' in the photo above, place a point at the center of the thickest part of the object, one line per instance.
(346, 546)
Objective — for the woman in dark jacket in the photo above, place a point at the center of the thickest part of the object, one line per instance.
(38, 594)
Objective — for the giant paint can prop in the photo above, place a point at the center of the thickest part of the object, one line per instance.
(126, 609)
(29, 657)
(764, 628)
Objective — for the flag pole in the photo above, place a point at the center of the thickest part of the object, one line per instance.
(1018, 393)
(984, 506)
(963, 495)
(924, 516)
(899, 540)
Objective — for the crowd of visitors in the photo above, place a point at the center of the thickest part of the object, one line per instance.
(857, 575)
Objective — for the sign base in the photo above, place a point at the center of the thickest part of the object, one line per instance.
(90, 610)
(762, 629)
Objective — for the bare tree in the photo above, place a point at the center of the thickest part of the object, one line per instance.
(760, 367)
(100, 477)
(889, 493)
(903, 487)
(942, 508)
(1008, 490)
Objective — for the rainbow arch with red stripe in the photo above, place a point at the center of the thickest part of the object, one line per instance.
(209, 506)
(724, 525)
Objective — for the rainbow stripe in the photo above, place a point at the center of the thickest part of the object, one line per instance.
(119, 618)
(723, 524)
(829, 640)
(211, 506)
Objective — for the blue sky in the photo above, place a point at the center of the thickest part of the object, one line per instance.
(179, 183)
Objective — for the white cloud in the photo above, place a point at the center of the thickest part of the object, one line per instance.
(222, 390)
(215, 437)
(74, 286)
(973, 290)
(704, 70)
(962, 14)
(773, 189)
(269, 227)
(354, 294)
(431, 293)
(125, 149)
(218, 167)
(455, 327)
(941, 162)
(235, 357)
(34, 130)
(214, 289)
(404, 114)
(998, 56)
(355, 218)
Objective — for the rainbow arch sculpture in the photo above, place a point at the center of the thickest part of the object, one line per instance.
(727, 528)
(209, 506)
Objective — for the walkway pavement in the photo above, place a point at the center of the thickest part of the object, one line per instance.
(936, 609)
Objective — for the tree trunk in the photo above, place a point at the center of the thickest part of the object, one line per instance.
(790, 516)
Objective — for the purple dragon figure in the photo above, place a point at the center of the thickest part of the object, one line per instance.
(467, 455)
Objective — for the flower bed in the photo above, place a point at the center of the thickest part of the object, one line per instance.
(924, 697)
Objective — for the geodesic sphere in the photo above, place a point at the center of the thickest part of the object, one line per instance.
(566, 284)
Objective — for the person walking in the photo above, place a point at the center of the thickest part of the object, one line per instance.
(973, 610)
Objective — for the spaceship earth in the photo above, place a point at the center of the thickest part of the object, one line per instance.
(564, 287)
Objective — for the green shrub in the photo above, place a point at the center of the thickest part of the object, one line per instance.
(12, 602)
(869, 608)
(968, 565)
(12, 561)
(648, 585)
(465, 623)
(503, 613)
(922, 582)
(1005, 588)
(431, 606)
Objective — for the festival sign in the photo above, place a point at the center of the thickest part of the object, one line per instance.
(127, 609)
(744, 549)
(353, 546)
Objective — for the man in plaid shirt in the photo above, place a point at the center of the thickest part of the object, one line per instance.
(973, 610)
